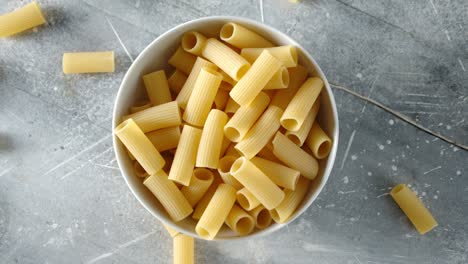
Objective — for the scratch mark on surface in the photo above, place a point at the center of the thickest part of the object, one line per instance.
(422, 103)
(5, 171)
(124, 245)
(431, 170)
(433, 7)
(426, 95)
(383, 194)
(461, 64)
(420, 112)
(410, 73)
(447, 35)
(76, 155)
(341, 192)
(261, 11)
(351, 139)
(119, 39)
(16, 117)
(84, 163)
(356, 258)
(106, 166)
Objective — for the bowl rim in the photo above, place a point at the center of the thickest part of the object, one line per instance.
(331, 156)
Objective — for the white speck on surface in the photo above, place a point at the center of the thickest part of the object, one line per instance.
(379, 164)
(378, 213)
(353, 157)
(394, 168)
(431, 170)
(408, 236)
(403, 155)
(359, 75)
(329, 205)
(427, 141)
(455, 149)
(345, 180)
(383, 194)
(448, 127)
(381, 147)
(461, 64)
(327, 15)
(361, 166)
(407, 146)
(423, 193)
(54, 225)
(437, 191)
(352, 219)
(426, 185)
(391, 122)
(137, 4)
(458, 172)
(365, 197)
(389, 141)
(440, 124)
(369, 173)
(447, 35)
(436, 197)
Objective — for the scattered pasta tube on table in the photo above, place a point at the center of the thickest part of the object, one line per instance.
(88, 62)
(242, 37)
(21, 19)
(172, 232)
(184, 249)
(157, 87)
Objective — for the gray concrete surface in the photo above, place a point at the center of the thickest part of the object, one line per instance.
(62, 199)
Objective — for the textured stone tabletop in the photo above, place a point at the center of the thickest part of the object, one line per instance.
(63, 200)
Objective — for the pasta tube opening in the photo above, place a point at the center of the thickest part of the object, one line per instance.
(232, 133)
(245, 225)
(324, 149)
(193, 42)
(227, 31)
(203, 174)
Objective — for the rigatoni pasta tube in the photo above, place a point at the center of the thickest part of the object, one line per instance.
(157, 87)
(211, 140)
(319, 142)
(280, 80)
(184, 249)
(140, 146)
(182, 60)
(299, 136)
(165, 139)
(224, 168)
(245, 117)
(193, 42)
(88, 62)
(286, 54)
(184, 158)
(246, 199)
(21, 19)
(172, 232)
(157, 117)
(216, 212)
(247, 88)
(239, 221)
(281, 175)
(203, 203)
(262, 217)
(186, 91)
(231, 107)
(292, 199)
(140, 106)
(227, 78)
(414, 209)
(170, 197)
(259, 135)
(300, 105)
(297, 76)
(295, 157)
(176, 81)
(202, 97)
(201, 181)
(262, 187)
(241, 37)
(225, 58)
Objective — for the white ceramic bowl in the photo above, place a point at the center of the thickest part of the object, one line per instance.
(155, 57)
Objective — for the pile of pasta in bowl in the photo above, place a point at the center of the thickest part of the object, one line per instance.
(231, 137)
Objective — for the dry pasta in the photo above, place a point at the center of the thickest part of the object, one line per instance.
(211, 140)
(203, 203)
(184, 159)
(157, 117)
(280, 80)
(262, 187)
(231, 107)
(292, 199)
(295, 157)
(414, 209)
(182, 60)
(286, 54)
(262, 217)
(21, 19)
(184, 249)
(299, 136)
(201, 181)
(240, 221)
(224, 168)
(170, 197)
(297, 76)
(140, 107)
(216, 212)
(202, 97)
(319, 142)
(88, 62)
(176, 81)
(165, 139)
(281, 175)
(227, 78)
(139, 145)
(193, 42)
(247, 88)
(157, 87)
(246, 199)
(300, 105)
(172, 232)
(242, 37)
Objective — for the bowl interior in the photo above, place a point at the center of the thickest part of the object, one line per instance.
(155, 57)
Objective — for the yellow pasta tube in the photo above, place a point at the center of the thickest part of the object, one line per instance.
(216, 212)
(182, 60)
(294, 157)
(172, 232)
(239, 221)
(259, 135)
(176, 81)
(292, 199)
(221, 99)
(262, 217)
(224, 167)
(227, 78)
(300, 105)
(184, 249)
(88, 62)
(203, 203)
(245, 117)
(202, 97)
(242, 37)
(201, 181)
(170, 197)
(165, 139)
(262, 187)
(139, 170)
(184, 158)
(297, 77)
(246, 89)
(286, 54)
(267, 153)
(211, 140)
(225, 58)
(140, 106)
(139, 145)
(246, 199)
(157, 117)
(299, 136)
(231, 107)
(319, 142)
(281, 175)
(280, 80)
(157, 87)
(193, 42)
(21, 19)
(186, 91)
(414, 209)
